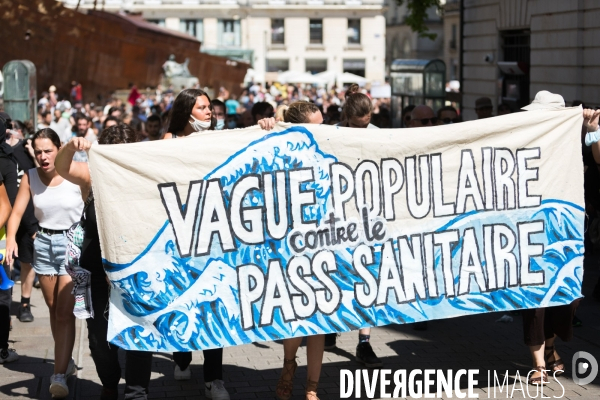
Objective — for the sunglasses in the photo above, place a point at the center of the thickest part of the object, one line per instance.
(425, 121)
(448, 120)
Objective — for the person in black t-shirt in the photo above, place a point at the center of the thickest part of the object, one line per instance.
(8, 193)
(138, 364)
(25, 235)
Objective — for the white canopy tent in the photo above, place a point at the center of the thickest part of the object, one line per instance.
(347, 77)
(328, 77)
(332, 77)
(300, 77)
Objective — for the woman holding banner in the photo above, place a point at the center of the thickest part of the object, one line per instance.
(57, 205)
(356, 113)
(299, 112)
(192, 114)
(105, 355)
(541, 326)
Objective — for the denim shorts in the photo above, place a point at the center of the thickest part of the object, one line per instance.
(49, 254)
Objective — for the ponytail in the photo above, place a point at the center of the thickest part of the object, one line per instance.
(281, 112)
(357, 104)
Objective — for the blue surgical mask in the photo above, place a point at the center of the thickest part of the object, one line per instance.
(220, 124)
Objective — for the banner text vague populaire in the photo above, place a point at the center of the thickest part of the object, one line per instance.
(314, 229)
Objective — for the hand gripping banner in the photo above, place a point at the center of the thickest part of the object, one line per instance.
(242, 236)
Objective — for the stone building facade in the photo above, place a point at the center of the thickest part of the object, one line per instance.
(451, 39)
(515, 48)
(276, 35)
(402, 42)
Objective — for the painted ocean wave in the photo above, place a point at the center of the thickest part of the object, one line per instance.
(168, 303)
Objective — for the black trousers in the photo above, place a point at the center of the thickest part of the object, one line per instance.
(105, 355)
(5, 301)
(213, 363)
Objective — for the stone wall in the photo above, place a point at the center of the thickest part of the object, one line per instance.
(565, 52)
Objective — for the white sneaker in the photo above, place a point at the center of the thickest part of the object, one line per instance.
(215, 390)
(180, 375)
(8, 355)
(58, 386)
(71, 368)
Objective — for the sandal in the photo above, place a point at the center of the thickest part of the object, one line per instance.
(554, 365)
(540, 380)
(311, 390)
(285, 386)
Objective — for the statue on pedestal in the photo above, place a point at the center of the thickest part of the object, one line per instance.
(177, 74)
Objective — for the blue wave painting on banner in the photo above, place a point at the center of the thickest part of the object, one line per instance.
(285, 238)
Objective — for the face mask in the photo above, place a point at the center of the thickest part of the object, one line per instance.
(198, 125)
(220, 124)
(231, 124)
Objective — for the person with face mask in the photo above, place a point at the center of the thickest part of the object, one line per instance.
(219, 112)
(192, 114)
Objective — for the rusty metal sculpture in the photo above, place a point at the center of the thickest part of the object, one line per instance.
(103, 51)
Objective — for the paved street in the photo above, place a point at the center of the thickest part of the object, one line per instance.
(251, 371)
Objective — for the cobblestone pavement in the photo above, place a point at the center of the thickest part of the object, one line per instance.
(251, 371)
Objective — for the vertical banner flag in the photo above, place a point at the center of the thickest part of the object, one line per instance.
(232, 237)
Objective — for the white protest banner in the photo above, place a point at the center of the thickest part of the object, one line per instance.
(241, 236)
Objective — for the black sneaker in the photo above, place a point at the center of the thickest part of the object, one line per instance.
(330, 339)
(24, 314)
(366, 355)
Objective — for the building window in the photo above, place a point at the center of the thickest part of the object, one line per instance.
(515, 88)
(192, 27)
(229, 33)
(159, 22)
(453, 39)
(316, 66)
(316, 31)
(356, 67)
(353, 31)
(277, 65)
(277, 31)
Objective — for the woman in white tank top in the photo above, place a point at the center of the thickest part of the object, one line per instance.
(58, 204)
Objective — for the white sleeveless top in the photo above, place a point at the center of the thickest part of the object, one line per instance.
(56, 207)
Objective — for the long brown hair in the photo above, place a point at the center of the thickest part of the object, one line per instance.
(357, 104)
(183, 105)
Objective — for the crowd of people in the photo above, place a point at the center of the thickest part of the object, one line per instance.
(45, 190)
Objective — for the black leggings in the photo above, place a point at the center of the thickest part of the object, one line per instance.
(5, 300)
(213, 363)
(138, 363)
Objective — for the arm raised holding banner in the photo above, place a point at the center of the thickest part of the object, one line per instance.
(592, 137)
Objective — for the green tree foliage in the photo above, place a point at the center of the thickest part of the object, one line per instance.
(417, 14)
